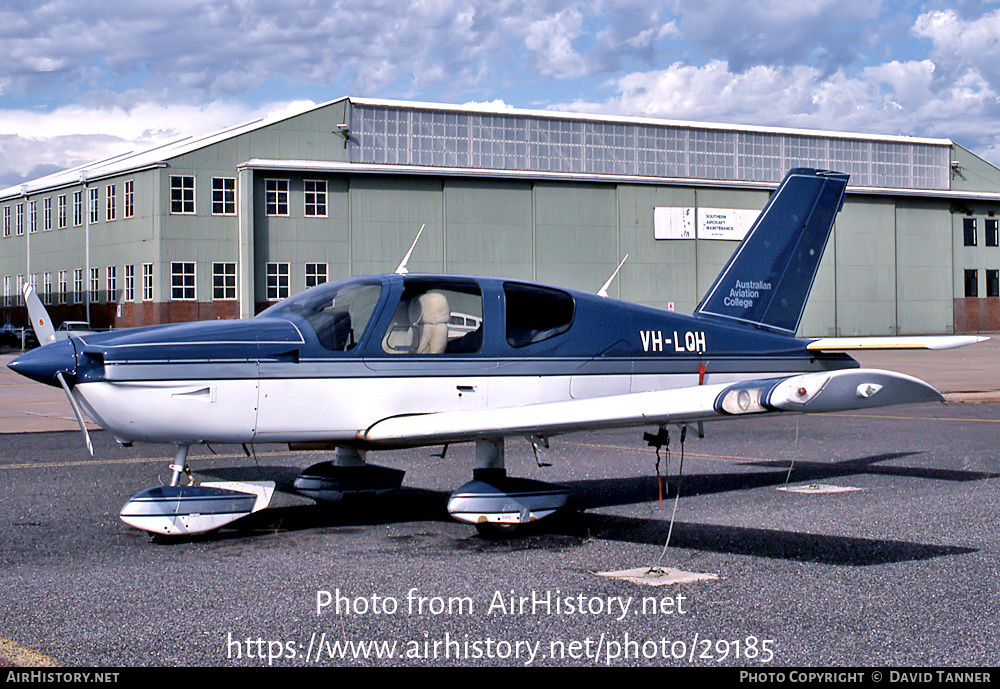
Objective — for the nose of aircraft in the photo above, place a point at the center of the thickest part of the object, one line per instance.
(42, 364)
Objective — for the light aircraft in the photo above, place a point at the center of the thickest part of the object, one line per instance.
(405, 360)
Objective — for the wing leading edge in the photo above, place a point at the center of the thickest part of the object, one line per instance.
(829, 391)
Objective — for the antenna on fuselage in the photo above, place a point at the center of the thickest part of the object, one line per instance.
(401, 270)
(603, 292)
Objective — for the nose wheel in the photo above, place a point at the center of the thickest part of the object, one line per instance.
(177, 510)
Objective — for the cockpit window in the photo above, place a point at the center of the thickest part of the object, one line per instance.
(536, 313)
(436, 317)
(338, 312)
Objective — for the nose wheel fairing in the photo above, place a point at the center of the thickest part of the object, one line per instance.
(189, 510)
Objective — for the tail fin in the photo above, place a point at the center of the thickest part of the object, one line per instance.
(768, 278)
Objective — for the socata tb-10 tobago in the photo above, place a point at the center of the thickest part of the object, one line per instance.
(400, 360)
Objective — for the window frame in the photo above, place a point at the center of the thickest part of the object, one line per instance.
(111, 280)
(110, 206)
(183, 281)
(992, 231)
(147, 282)
(315, 199)
(970, 232)
(277, 291)
(182, 195)
(223, 205)
(224, 270)
(129, 210)
(316, 271)
(276, 199)
(77, 208)
(129, 287)
(971, 283)
(993, 282)
(94, 204)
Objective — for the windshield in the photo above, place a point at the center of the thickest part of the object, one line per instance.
(338, 312)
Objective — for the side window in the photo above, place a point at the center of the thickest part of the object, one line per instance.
(436, 317)
(536, 313)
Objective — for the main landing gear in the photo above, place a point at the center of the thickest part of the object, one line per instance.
(348, 474)
(498, 505)
(177, 510)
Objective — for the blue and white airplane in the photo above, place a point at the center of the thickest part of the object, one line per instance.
(401, 360)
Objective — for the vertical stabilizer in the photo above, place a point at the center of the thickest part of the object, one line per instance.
(768, 278)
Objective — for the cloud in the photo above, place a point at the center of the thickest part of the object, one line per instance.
(77, 134)
(827, 34)
(73, 74)
(893, 98)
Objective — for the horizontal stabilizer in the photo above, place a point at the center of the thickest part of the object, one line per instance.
(845, 344)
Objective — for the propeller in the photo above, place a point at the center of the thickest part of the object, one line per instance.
(46, 334)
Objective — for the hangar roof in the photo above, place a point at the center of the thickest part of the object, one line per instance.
(487, 140)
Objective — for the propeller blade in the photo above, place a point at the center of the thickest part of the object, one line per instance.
(40, 320)
(76, 411)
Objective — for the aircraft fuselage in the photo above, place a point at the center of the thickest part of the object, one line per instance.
(332, 361)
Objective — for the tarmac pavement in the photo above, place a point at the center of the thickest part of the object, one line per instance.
(895, 565)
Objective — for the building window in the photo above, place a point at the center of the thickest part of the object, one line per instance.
(111, 205)
(112, 283)
(276, 196)
(972, 283)
(77, 208)
(182, 194)
(32, 217)
(47, 214)
(95, 284)
(223, 196)
(223, 281)
(992, 233)
(19, 297)
(78, 286)
(6, 221)
(94, 206)
(315, 274)
(182, 281)
(19, 219)
(993, 283)
(62, 212)
(129, 198)
(969, 231)
(129, 282)
(47, 288)
(62, 286)
(147, 282)
(315, 198)
(6, 290)
(277, 281)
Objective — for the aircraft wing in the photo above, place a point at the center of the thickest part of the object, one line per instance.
(830, 391)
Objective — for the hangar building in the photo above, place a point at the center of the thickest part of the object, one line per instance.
(222, 225)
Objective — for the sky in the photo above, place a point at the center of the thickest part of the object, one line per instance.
(81, 81)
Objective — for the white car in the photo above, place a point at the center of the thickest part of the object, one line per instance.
(69, 328)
